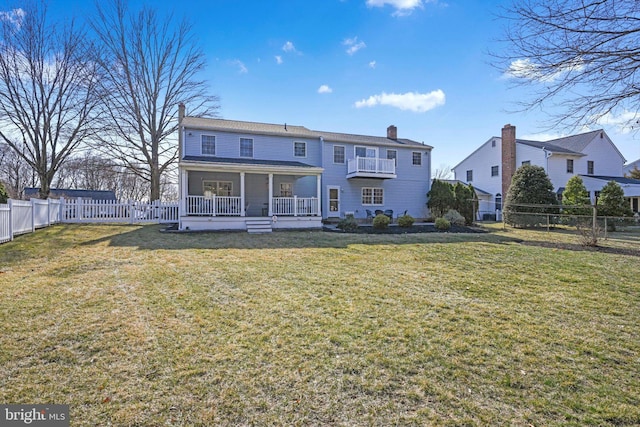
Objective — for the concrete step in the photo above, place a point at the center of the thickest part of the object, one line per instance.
(258, 226)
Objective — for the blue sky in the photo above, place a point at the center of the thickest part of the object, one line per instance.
(357, 66)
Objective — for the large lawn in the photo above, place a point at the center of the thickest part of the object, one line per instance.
(133, 327)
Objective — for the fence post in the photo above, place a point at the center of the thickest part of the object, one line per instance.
(131, 206)
(62, 210)
(10, 203)
(548, 222)
(605, 228)
(295, 205)
(33, 214)
(48, 211)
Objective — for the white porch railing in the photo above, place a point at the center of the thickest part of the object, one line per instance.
(214, 206)
(371, 165)
(296, 206)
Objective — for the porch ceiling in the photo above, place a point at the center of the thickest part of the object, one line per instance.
(202, 163)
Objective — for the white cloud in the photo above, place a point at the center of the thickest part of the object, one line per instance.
(353, 45)
(278, 59)
(624, 122)
(527, 69)
(372, 64)
(15, 16)
(289, 47)
(403, 7)
(416, 102)
(242, 69)
(325, 89)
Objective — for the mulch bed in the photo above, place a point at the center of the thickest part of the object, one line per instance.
(410, 230)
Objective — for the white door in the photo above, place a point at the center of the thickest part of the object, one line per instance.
(334, 201)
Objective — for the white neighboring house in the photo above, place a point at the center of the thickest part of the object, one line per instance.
(592, 155)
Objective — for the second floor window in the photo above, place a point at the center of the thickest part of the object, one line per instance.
(470, 175)
(417, 158)
(393, 155)
(589, 167)
(569, 165)
(208, 145)
(366, 151)
(246, 147)
(338, 154)
(300, 149)
(494, 170)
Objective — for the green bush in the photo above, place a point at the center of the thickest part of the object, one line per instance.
(406, 221)
(381, 221)
(348, 223)
(3, 194)
(454, 217)
(442, 224)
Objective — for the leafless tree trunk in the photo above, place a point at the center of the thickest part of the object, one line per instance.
(578, 57)
(151, 65)
(48, 84)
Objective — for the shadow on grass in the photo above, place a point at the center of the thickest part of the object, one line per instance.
(577, 247)
(150, 237)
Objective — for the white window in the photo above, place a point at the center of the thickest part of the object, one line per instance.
(246, 147)
(286, 189)
(300, 149)
(417, 158)
(366, 151)
(338, 154)
(218, 188)
(208, 145)
(372, 196)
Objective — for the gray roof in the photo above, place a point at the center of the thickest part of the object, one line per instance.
(618, 179)
(293, 131)
(210, 159)
(550, 146)
(72, 193)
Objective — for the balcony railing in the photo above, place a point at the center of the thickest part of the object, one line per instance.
(371, 167)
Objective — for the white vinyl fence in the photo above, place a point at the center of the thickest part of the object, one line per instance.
(20, 216)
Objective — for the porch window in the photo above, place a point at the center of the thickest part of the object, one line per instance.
(300, 149)
(499, 201)
(372, 196)
(589, 167)
(219, 188)
(208, 145)
(569, 165)
(286, 189)
(393, 155)
(338, 154)
(246, 147)
(417, 158)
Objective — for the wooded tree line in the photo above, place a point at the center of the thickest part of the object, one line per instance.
(109, 86)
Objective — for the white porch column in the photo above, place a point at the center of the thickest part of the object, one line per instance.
(270, 194)
(184, 192)
(319, 194)
(242, 198)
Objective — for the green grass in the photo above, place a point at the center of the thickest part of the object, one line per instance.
(132, 327)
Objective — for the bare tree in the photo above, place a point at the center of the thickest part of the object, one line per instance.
(151, 66)
(442, 172)
(578, 57)
(15, 172)
(48, 84)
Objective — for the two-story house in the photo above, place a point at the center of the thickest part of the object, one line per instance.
(592, 155)
(258, 176)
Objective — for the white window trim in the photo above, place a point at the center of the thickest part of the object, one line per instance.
(217, 182)
(240, 148)
(215, 145)
(286, 183)
(372, 196)
(334, 154)
(305, 149)
(420, 154)
(366, 147)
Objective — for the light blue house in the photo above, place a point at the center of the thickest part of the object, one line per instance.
(258, 176)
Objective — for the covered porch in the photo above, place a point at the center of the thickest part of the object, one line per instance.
(230, 196)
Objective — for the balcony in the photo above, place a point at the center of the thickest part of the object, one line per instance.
(371, 167)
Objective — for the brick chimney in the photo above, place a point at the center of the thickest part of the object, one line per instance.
(508, 157)
(181, 109)
(392, 132)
